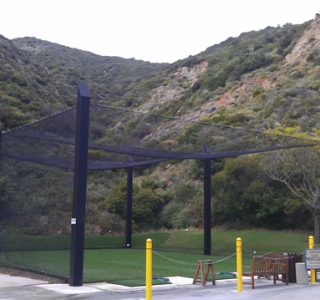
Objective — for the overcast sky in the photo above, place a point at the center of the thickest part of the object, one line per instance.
(152, 30)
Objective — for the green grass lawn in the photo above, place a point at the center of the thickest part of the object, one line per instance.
(130, 264)
(177, 253)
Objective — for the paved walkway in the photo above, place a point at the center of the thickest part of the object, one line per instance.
(12, 287)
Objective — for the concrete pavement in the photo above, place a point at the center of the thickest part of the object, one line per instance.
(18, 288)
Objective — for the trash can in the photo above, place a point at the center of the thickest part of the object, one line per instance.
(301, 273)
(293, 259)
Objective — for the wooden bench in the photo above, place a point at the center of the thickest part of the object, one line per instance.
(269, 265)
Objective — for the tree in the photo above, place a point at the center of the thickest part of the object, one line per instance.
(148, 200)
(299, 170)
(243, 196)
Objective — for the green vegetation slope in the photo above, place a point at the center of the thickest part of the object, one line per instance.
(262, 80)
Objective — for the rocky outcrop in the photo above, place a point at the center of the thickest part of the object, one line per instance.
(179, 81)
(309, 41)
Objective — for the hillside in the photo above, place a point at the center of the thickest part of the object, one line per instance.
(109, 78)
(25, 89)
(38, 77)
(260, 80)
(256, 79)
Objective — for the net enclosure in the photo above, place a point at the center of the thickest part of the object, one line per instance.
(44, 167)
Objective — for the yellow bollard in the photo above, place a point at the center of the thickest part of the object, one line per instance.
(239, 264)
(148, 269)
(313, 272)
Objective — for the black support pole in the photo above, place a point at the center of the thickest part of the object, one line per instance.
(207, 208)
(129, 208)
(0, 141)
(79, 188)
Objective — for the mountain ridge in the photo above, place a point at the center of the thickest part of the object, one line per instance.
(204, 85)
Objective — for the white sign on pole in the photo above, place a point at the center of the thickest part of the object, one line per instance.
(312, 259)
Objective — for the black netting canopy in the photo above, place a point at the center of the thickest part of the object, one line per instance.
(122, 138)
(44, 165)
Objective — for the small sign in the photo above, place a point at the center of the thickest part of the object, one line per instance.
(73, 221)
(312, 259)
